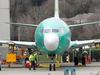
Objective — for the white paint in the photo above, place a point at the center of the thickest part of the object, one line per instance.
(56, 14)
(51, 41)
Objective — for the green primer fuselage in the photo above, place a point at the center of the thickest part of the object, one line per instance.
(64, 39)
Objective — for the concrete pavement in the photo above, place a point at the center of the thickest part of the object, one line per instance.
(90, 69)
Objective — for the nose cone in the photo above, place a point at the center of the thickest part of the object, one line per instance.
(51, 41)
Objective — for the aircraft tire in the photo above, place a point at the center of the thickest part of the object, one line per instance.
(50, 67)
(54, 67)
(83, 60)
(0, 67)
(76, 61)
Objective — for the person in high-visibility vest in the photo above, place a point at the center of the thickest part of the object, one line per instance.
(32, 59)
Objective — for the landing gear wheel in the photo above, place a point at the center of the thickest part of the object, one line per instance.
(54, 67)
(76, 61)
(50, 67)
(0, 67)
(83, 60)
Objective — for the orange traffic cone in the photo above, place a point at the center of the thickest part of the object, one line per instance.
(89, 60)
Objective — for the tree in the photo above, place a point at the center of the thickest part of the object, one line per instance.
(22, 11)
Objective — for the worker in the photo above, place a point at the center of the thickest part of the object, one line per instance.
(32, 59)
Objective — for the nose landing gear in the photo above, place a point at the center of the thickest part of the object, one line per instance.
(51, 65)
(54, 67)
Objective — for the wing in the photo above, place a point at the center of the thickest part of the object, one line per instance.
(71, 26)
(75, 44)
(32, 44)
(21, 24)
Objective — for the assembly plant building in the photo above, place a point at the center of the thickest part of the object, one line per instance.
(4, 28)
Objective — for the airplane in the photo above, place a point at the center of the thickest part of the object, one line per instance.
(52, 36)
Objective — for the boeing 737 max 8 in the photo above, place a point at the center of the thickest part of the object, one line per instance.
(52, 36)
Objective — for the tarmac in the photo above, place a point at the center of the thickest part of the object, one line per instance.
(89, 69)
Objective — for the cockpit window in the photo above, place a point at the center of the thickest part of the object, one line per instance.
(61, 31)
(51, 31)
(55, 30)
(46, 30)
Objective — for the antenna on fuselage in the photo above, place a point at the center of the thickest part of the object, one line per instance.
(57, 8)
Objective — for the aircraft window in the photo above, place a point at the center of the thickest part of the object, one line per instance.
(51, 30)
(41, 31)
(47, 30)
(55, 30)
(61, 31)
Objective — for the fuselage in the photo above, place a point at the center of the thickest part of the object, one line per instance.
(52, 36)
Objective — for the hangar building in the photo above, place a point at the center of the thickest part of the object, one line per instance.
(4, 28)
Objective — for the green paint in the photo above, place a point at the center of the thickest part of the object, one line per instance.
(71, 26)
(53, 23)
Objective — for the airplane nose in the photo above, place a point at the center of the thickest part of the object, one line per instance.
(51, 41)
